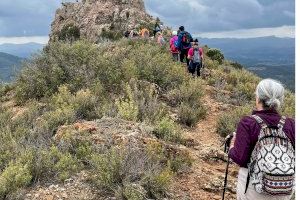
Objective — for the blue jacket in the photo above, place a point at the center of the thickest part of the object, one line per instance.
(180, 45)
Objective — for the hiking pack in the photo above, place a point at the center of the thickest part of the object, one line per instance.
(186, 38)
(272, 164)
(196, 57)
(185, 41)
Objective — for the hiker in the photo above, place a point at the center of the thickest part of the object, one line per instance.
(160, 39)
(184, 44)
(156, 28)
(133, 34)
(195, 56)
(144, 33)
(173, 49)
(270, 160)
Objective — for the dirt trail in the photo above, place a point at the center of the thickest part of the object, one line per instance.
(205, 180)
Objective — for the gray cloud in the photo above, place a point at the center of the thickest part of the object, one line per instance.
(33, 17)
(223, 15)
(26, 18)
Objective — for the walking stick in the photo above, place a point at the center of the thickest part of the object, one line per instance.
(226, 150)
(226, 175)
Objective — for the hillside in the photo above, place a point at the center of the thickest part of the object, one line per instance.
(98, 126)
(119, 120)
(8, 64)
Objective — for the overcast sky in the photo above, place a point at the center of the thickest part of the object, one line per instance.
(23, 20)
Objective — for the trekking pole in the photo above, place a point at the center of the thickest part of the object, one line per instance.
(226, 176)
(226, 150)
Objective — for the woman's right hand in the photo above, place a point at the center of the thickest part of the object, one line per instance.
(232, 140)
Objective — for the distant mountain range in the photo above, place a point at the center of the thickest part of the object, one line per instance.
(8, 65)
(11, 56)
(21, 50)
(268, 57)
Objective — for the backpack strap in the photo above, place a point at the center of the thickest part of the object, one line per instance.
(281, 122)
(260, 121)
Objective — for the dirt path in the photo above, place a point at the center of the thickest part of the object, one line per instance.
(205, 181)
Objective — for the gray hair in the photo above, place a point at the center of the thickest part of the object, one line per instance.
(271, 93)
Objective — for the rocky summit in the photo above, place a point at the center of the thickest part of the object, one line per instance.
(94, 18)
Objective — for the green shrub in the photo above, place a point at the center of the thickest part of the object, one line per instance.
(130, 173)
(4, 89)
(141, 103)
(127, 108)
(236, 65)
(66, 166)
(81, 65)
(210, 64)
(14, 177)
(189, 92)
(215, 54)
(158, 184)
(288, 108)
(70, 33)
(191, 114)
(134, 192)
(107, 168)
(168, 130)
(54, 162)
(180, 162)
(111, 34)
(227, 123)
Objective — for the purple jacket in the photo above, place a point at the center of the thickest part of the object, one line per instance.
(248, 131)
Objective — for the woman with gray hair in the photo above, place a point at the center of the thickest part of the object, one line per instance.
(263, 146)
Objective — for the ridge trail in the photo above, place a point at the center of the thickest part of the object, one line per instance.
(205, 180)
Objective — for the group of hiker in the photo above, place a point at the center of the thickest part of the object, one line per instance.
(183, 47)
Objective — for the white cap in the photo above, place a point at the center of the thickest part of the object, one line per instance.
(174, 33)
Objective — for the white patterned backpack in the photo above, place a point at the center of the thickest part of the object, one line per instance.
(272, 163)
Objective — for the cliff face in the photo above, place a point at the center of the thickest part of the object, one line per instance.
(92, 17)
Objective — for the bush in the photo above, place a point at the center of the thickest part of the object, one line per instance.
(15, 176)
(70, 33)
(82, 65)
(158, 184)
(189, 92)
(168, 130)
(215, 54)
(236, 65)
(127, 108)
(288, 108)
(227, 123)
(111, 34)
(191, 114)
(140, 103)
(130, 173)
(53, 162)
(66, 166)
(4, 89)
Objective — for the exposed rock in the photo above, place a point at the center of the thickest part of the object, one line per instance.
(108, 132)
(92, 17)
(76, 189)
(213, 153)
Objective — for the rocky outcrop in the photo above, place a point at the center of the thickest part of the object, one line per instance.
(93, 17)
